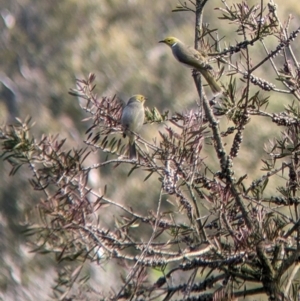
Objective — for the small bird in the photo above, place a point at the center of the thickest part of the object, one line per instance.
(193, 58)
(132, 119)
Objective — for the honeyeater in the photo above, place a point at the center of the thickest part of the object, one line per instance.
(132, 120)
(194, 59)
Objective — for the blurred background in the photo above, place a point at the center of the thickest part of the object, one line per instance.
(44, 47)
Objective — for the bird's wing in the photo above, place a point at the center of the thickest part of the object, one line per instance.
(198, 54)
(199, 57)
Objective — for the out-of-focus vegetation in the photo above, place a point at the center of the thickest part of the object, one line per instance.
(44, 46)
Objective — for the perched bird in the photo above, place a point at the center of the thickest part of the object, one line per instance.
(132, 120)
(193, 59)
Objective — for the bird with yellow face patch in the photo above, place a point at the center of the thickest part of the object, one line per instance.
(132, 119)
(194, 59)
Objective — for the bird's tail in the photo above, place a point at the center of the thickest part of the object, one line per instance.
(214, 86)
(132, 151)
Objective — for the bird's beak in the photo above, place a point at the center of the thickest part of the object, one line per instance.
(162, 41)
